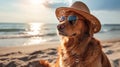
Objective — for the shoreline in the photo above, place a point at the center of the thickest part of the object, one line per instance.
(57, 42)
(29, 48)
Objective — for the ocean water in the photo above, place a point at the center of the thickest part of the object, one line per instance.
(19, 34)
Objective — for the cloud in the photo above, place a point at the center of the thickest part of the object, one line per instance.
(94, 4)
(55, 4)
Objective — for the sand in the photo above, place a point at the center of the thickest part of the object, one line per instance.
(29, 56)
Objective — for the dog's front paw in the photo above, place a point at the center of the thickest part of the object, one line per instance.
(44, 63)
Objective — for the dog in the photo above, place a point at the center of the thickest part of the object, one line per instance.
(78, 46)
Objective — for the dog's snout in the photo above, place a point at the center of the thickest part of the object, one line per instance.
(60, 27)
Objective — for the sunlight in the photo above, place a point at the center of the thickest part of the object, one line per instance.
(36, 2)
(35, 41)
(32, 10)
(35, 28)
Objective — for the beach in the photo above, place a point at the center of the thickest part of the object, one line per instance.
(24, 44)
(29, 29)
(29, 56)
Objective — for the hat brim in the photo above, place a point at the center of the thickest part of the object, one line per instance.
(95, 22)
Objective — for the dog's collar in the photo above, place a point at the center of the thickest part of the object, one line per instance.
(75, 56)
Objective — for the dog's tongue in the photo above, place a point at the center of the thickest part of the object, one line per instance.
(74, 34)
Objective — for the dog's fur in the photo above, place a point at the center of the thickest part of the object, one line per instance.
(78, 47)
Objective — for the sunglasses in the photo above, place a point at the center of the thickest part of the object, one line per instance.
(71, 19)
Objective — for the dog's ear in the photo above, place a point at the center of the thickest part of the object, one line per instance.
(89, 25)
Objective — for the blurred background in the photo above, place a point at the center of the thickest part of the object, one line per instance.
(33, 22)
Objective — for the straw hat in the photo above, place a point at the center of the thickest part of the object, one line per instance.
(80, 8)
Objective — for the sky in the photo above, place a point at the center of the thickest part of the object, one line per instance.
(107, 11)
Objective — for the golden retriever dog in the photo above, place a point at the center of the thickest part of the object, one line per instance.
(78, 46)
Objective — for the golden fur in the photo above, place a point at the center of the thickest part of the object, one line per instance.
(78, 46)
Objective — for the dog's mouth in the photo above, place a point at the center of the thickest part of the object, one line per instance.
(64, 34)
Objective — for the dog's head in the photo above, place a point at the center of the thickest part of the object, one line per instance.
(72, 25)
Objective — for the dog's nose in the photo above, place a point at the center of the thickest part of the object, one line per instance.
(60, 27)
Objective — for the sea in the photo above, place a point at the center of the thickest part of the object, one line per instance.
(37, 33)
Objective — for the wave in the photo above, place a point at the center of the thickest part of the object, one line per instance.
(11, 30)
(110, 24)
(109, 30)
(26, 36)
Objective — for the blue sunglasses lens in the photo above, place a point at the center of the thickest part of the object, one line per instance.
(72, 19)
(62, 18)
